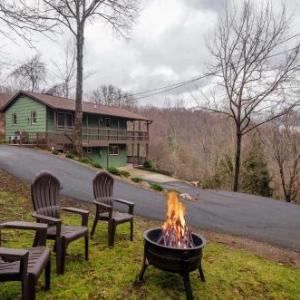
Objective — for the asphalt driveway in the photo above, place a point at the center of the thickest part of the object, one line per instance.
(250, 216)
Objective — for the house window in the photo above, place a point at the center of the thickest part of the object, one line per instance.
(14, 119)
(89, 150)
(69, 120)
(107, 122)
(60, 119)
(33, 117)
(114, 150)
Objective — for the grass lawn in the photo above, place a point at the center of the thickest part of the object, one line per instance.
(110, 273)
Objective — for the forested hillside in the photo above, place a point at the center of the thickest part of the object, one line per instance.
(196, 145)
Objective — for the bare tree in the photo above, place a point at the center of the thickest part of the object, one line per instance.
(73, 16)
(65, 71)
(14, 22)
(251, 67)
(284, 145)
(30, 74)
(111, 95)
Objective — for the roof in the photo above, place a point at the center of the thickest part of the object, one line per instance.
(56, 102)
(4, 98)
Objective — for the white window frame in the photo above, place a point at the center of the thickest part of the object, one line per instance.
(32, 123)
(14, 118)
(114, 147)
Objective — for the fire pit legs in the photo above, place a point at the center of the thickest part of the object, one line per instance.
(144, 267)
(201, 274)
(187, 286)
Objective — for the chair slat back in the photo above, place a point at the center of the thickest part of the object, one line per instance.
(103, 185)
(44, 194)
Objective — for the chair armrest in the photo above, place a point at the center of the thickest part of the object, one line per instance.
(104, 206)
(50, 221)
(39, 228)
(125, 202)
(24, 225)
(11, 255)
(46, 219)
(83, 212)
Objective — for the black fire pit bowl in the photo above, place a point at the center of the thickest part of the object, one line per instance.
(176, 260)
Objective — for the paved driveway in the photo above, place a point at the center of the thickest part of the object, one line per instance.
(250, 216)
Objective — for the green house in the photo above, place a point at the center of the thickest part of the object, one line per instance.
(111, 136)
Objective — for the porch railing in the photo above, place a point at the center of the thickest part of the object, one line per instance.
(66, 135)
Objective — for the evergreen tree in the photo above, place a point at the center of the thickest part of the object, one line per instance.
(255, 175)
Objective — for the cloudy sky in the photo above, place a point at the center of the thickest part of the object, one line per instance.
(167, 46)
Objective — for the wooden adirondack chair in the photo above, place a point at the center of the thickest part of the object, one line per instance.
(26, 265)
(103, 193)
(44, 193)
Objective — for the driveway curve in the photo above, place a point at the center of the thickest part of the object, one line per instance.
(259, 218)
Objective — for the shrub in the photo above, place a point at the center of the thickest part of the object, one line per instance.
(124, 173)
(148, 164)
(156, 187)
(55, 152)
(70, 155)
(84, 160)
(96, 165)
(114, 171)
(136, 179)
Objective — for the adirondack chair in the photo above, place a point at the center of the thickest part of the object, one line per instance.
(26, 265)
(44, 194)
(103, 193)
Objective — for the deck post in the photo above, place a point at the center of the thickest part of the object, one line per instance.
(107, 157)
(138, 153)
(147, 150)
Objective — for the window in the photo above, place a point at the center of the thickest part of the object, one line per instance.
(69, 120)
(114, 150)
(60, 119)
(89, 150)
(107, 122)
(14, 119)
(33, 117)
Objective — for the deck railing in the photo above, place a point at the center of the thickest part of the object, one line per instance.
(66, 136)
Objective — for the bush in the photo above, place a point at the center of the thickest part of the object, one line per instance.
(84, 160)
(55, 152)
(148, 164)
(156, 187)
(70, 155)
(96, 165)
(114, 171)
(136, 179)
(124, 173)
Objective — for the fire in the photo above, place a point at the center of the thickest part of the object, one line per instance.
(175, 232)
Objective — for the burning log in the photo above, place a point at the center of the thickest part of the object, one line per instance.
(175, 232)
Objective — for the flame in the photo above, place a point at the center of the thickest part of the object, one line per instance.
(175, 231)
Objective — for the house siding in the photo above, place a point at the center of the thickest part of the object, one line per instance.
(99, 155)
(23, 107)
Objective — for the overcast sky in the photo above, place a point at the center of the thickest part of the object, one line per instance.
(167, 45)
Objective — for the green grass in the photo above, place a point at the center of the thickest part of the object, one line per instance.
(111, 273)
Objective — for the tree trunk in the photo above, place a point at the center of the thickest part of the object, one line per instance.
(78, 97)
(237, 161)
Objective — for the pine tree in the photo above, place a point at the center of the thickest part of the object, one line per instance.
(255, 175)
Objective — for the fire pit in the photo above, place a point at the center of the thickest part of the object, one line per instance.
(174, 247)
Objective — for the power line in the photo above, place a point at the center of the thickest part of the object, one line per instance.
(167, 88)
